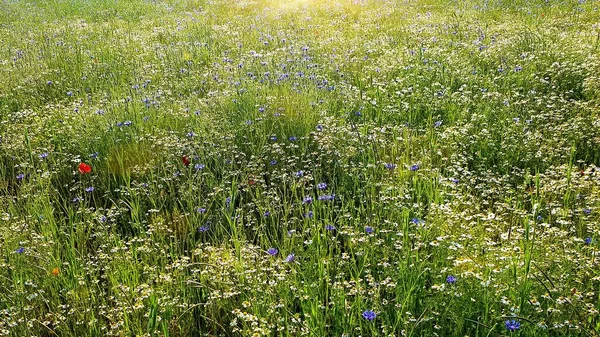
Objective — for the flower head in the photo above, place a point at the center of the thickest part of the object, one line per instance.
(512, 325)
(21, 250)
(588, 241)
(369, 315)
(451, 279)
(272, 251)
(369, 230)
(84, 168)
(290, 258)
(322, 186)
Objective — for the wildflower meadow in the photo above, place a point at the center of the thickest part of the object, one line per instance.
(299, 168)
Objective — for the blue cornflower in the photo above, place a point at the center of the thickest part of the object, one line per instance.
(369, 315)
(203, 229)
(227, 201)
(417, 221)
(454, 180)
(299, 174)
(451, 279)
(103, 218)
(21, 250)
(389, 166)
(587, 211)
(290, 258)
(437, 124)
(69, 93)
(588, 240)
(272, 251)
(414, 167)
(369, 230)
(273, 138)
(261, 109)
(127, 123)
(89, 189)
(518, 68)
(309, 215)
(76, 199)
(273, 162)
(20, 176)
(307, 200)
(512, 325)
(539, 218)
(330, 227)
(321, 186)
(267, 214)
(201, 210)
(119, 124)
(319, 128)
(326, 197)
(43, 155)
(191, 134)
(248, 122)
(94, 155)
(293, 138)
(199, 167)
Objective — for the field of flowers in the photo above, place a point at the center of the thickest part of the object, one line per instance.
(299, 168)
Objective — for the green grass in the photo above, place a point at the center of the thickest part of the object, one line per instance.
(454, 138)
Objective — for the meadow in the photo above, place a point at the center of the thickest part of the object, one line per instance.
(299, 168)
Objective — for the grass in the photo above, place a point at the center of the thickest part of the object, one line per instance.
(283, 168)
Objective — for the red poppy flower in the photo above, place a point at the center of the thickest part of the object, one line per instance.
(251, 182)
(186, 161)
(84, 168)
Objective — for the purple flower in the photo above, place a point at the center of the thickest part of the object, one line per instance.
(437, 124)
(273, 138)
(518, 68)
(587, 211)
(293, 138)
(103, 218)
(369, 230)
(330, 227)
(414, 167)
(267, 214)
(89, 189)
(191, 134)
(319, 128)
(199, 167)
(127, 123)
(21, 250)
(290, 258)
(76, 199)
(389, 166)
(272, 251)
(588, 241)
(454, 180)
(451, 279)
(326, 197)
(273, 162)
(20, 176)
(299, 174)
(201, 210)
(43, 155)
(321, 186)
(307, 200)
(203, 229)
(512, 325)
(309, 215)
(417, 221)
(369, 315)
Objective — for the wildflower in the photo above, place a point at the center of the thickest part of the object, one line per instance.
(389, 166)
(273, 138)
(21, 250)
(203, 229)
(186, 161)
(309, 215)
(369, 230)
(437, 124)
(69, 93)
(588, 241)
(199, 167)
(518, 68)
(127, 123)
(369, 315)
(451, 279)
(267, 214)
(326, 197)
(89, 189)
(299, 174)
(272, 251)
(94, 155)
(414, 167)
(293, 138)
(84, 168)
(55, 272)
(43, 155)
(76, 200)
(290, 258)
(191, 134)
(330, 227)
(587, 211)
(227, 201)
(201, 210)
(512, 325)
(307, 200)
(20, 176)
(321, 186)
(273, 162)
(417, 221)
(319, 128)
